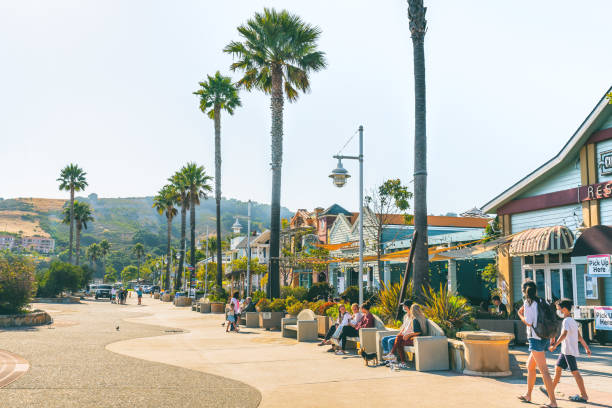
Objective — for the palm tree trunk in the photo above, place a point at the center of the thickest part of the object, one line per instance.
(138, 273)
(192, 225)
(168, 255)
(218, 192)
(78, 243)
(71, 223)
(179, 275)
(277, 161)
(418, 27)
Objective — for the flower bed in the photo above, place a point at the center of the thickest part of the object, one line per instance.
(35, 318)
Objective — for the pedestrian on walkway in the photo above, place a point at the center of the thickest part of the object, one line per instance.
(569, 338)
(235, 305)
(113, 295)
(139, 292)
(528, 313)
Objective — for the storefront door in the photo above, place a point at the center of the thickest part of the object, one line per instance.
(554, 276)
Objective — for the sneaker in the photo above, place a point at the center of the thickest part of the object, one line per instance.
(389, 356)
(331, 350)
(403, 366)
(341, 352)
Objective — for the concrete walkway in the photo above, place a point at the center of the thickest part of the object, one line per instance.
(70, 367)
(294, 374)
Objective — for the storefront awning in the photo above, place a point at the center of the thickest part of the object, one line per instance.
(542, 240)
(594, 241)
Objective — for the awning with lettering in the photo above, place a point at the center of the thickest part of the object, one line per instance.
(558, 238)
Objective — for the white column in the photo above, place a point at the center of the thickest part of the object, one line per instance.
(452, 275)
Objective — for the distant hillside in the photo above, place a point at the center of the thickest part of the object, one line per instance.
(122, 220)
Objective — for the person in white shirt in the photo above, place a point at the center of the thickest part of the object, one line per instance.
(569, 338)
(528, 313)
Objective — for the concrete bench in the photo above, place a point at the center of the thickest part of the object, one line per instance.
(367, 337)
(303, 328)
(430, 351)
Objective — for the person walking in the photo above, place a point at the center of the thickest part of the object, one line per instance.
(235, 305)
(569, 338)
(528, 314)
(139, 293)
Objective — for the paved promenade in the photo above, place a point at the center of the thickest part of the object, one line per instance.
(304, 375)
(163, 356)
(70, 367)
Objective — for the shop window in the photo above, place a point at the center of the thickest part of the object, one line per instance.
(529, 260)
(553, 258)
(568, 284)
(590, 287)
(540, 282)
(528, 274)
(539, 259)
(555, 284)
(566, 258)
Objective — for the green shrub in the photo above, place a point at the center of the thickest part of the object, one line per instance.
(332, 311)
(322, 309)
(320, 290)
(314, 306)
(297, 307)
(17, 283)
(451, 312)
(218, 294)
(291, 300)
(351, 294)
(258, 294)
(278, 305)
(263, 305)
(60, 277)
(387, 301)
(299, 292)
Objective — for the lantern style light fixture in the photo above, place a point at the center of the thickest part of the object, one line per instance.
(339, 175)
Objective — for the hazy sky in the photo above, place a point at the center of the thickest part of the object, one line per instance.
(108, 85)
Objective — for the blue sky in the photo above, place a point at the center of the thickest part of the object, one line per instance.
(107, 84)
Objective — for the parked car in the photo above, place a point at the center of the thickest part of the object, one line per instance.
(91, 289)
(103, 291)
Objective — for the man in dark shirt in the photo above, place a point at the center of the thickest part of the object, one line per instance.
(500, 308)
(353, 331)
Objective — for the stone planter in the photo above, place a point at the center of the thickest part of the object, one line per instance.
(456, 355)
(270, 320)
(204, 307)
(182, 301)
(65, 299)
(486, 353)
(323, 325)
(515, 327)
(167, 297)
(252, 319)
(217, 307)
(156, 295)
(35, 318)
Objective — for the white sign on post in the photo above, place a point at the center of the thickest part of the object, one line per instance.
(603, 317)
(598, 265)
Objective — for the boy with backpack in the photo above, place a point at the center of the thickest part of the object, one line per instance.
(569, 338)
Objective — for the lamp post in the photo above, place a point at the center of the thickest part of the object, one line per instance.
(248, 246)
(339, 176)
(206, 266)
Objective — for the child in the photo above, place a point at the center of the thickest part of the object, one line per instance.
(569, 338)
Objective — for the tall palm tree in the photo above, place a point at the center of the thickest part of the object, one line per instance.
(277, 53)
(182, 192)
(418, 28)
(139, 251)
(165, 202)
(216, 94)
(82, 215)
(93, 254)
(72, 178)
(104, 251)
(198, 183)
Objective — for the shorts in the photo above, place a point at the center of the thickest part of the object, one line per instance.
(237, 316)
(231, 319)
(538, 344)
(565, 361)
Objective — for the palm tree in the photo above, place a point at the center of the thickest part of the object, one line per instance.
(418, 28)
(82, 215)
(93, 254)
(197, 187)
(72, 178)
(182, 191)
(217, 94)
(139, 251)
(164, 202)
(277, 53)
(104, 251)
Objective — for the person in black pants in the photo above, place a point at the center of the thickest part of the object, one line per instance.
(353, 331)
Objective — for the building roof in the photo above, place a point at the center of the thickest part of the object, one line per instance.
(334, 209)
(592, 123)
(474, 212)
(441, 221)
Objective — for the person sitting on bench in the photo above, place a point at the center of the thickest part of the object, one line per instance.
(353, 330)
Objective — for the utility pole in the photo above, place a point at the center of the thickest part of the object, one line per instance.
(206, 266)
(248, 271)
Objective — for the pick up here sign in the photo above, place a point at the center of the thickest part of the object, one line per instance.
(598, 265)
(603, 317)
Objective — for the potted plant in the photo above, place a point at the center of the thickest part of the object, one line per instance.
(270, 313)
(295, 308)
(217, 301)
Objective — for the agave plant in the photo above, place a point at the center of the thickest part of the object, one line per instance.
(451, 312)
(388, 299)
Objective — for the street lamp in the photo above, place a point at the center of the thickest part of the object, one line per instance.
(340, 175)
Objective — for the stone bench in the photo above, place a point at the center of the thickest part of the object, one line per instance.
(367, 337)
(430, 351)
(303, 328)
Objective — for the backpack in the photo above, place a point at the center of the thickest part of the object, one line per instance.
(549, 325)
